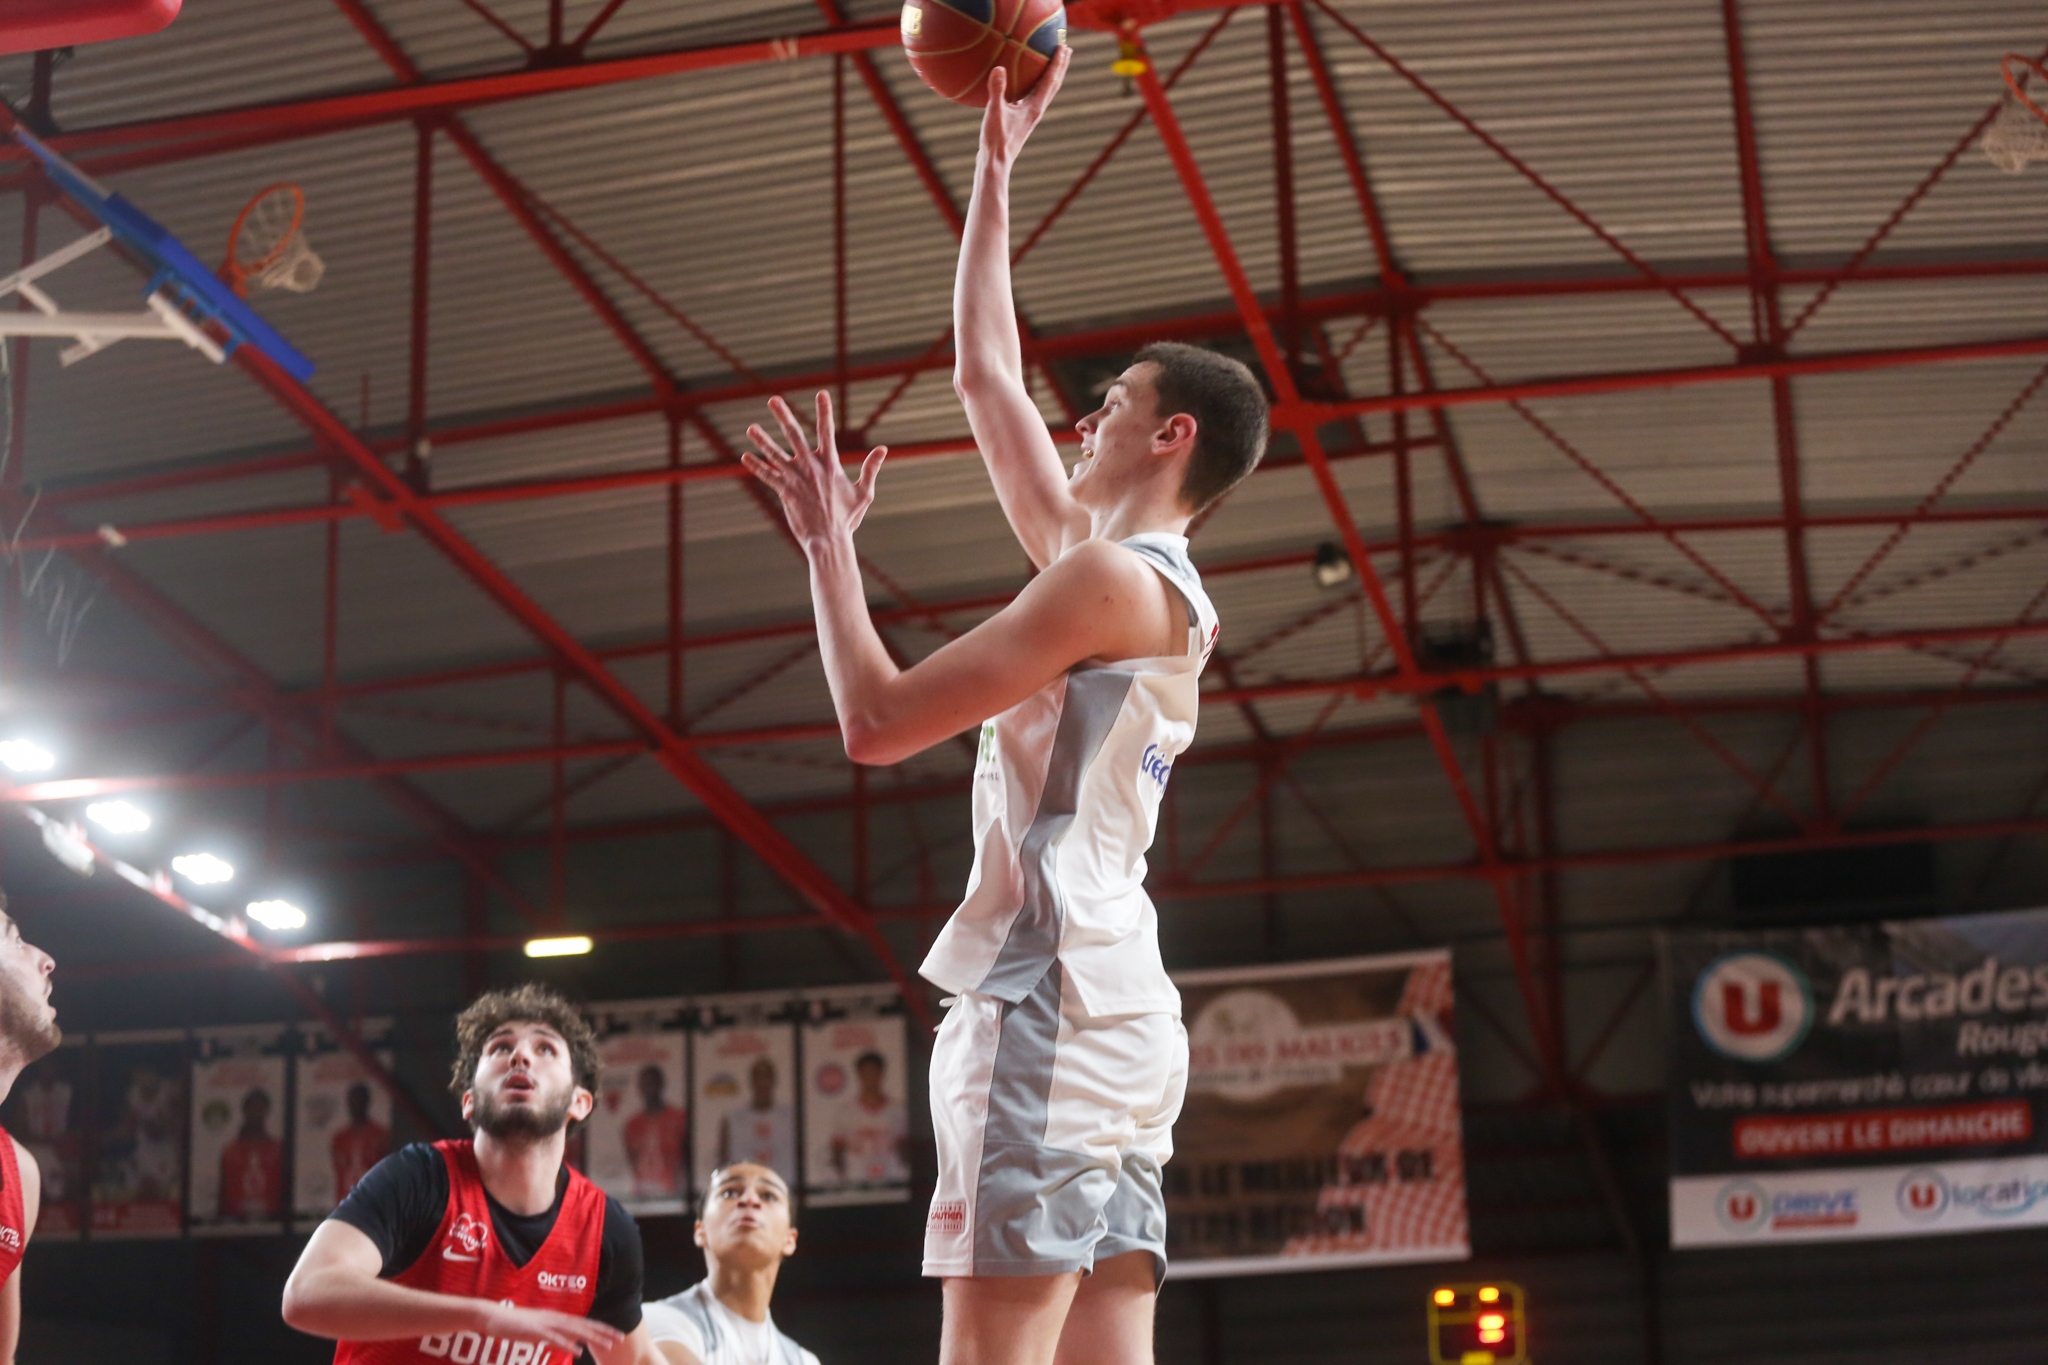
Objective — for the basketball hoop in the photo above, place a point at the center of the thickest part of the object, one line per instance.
(267, 249)
(2020, 132)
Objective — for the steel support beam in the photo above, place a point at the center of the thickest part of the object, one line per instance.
(1290, 412)
(573, 658)
(670, 749)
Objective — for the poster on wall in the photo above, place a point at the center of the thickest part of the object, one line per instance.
(1321, 1127)
(1874, 1080)
(743, 1065)
(341, 1117)
(45, 1112)
(138, 1163)
(636, 1142)
(856, 1117)
(237, 1181)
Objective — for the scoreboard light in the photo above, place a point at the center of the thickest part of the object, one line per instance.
(1478, 1324)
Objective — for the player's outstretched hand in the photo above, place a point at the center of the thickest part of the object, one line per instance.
(817, 497)
(565, 1330)
(1005, 126)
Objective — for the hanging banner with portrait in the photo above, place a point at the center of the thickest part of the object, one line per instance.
(237, 1183)
(138, 1163)
(636, 1142)
(341, 1117)
(856, 1117)
(1871, 1080)
(45, 1112)
(1321, 1127)
(743, 1068)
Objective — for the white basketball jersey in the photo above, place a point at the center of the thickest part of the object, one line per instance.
(1067, 787)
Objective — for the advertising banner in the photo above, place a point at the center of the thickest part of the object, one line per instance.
(636, 1141)
(46, 1113)
(341, 1117)
(856, 1117)
(238, 1117)
(1321, 1127)
(743, 1065)
(1877, 1080)
(138, 1167)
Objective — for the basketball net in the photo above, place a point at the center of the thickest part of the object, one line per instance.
(267, 248)
(2019, 134)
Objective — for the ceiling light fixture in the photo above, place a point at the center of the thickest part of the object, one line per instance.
(1332, 565)
(574, 945)
(276, 914)
(118, 817)
(203, 869)
(26, 756)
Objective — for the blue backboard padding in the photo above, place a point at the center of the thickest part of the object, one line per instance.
(165, 253)
(154, 241)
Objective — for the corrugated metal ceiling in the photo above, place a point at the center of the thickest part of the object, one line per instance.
(714, 188)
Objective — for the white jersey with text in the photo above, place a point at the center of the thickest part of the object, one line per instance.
(1067, 788)
(716, 1335)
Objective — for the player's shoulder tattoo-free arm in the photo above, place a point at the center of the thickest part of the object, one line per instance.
(988, 370)
(1096, 601)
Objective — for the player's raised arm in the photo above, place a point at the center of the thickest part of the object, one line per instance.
(988, 371)
(1098, 601)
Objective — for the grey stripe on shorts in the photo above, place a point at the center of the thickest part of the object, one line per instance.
(1095, 697)
(1043, 1210)
(1027, 1213)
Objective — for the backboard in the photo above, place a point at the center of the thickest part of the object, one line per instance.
(188, 301)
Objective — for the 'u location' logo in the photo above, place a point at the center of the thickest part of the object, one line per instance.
(1923, 1195)
(1752, 1006)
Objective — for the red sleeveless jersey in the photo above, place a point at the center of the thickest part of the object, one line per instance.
(13, 1217)
(465, 1259)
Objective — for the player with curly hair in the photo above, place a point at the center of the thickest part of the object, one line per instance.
(489, 1247)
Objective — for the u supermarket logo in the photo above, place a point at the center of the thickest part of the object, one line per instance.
(1743, 1206)
(1753, 1007)
(1923, 1195)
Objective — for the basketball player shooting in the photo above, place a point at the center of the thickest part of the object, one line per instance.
(28, 1030)
(1060, 1067)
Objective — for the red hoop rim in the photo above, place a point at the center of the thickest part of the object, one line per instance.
(238, 274)
(2017, 84)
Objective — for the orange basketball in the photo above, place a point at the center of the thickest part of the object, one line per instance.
(954, 44)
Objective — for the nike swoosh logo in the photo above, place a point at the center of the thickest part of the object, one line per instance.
(447, 1255)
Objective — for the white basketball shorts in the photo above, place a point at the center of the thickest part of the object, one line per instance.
(1052, 1128)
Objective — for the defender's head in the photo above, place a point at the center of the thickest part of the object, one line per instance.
(1180, 413)
(28, 1022)
(526, 1063)
(747, 1220)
